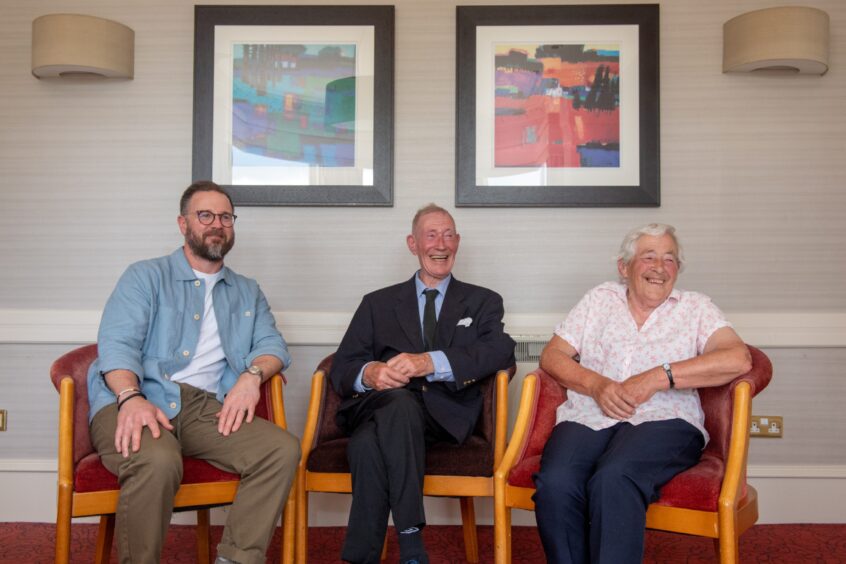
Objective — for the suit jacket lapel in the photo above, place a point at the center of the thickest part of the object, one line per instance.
(451, 311)
(408, 315)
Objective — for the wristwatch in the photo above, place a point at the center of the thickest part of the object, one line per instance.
(256, 371)
(666, 367)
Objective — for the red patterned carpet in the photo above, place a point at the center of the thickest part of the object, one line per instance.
(771, 544)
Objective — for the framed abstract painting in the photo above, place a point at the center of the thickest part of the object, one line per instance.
(293, 105)
(557, 106)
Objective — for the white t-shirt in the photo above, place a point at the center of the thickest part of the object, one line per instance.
(206, 367)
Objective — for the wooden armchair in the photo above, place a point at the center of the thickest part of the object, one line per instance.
(87, 488)
(464, 471)
(711, 499)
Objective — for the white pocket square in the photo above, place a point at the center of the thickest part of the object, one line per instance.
(465, 322)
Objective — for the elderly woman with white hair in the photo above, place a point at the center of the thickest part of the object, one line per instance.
(631, 355)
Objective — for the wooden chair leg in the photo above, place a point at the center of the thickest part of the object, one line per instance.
(728, 549)
(203, 537)
(502, 535)
(301, 512)
(105, 534)
(289, 517)
(63, 522)
(468, 523)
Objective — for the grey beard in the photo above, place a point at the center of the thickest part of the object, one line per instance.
(211, 252)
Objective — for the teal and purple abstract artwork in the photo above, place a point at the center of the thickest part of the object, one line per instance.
(294, 103)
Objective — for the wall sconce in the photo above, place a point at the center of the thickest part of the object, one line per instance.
(66, 45)
(791, 38)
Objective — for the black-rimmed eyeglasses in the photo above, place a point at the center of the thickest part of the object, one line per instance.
(206, 217)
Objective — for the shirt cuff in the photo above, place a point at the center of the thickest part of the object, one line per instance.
(443, 369)
(359, 386)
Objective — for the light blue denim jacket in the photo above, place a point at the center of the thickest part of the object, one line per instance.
(151, 326)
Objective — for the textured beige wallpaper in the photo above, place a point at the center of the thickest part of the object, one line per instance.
(752, 175)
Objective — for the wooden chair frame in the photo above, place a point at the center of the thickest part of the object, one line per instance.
(736, 512)
(197, 496)
(463, 487)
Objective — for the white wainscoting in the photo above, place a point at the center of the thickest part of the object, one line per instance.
(786, 494)
(772, 329)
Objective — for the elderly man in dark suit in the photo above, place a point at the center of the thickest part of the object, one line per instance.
(408, 369)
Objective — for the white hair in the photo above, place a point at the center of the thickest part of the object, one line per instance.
(629, 244)
(426, 210)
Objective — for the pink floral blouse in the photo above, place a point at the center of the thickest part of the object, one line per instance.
(605, 334)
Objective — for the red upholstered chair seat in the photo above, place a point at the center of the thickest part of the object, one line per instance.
(522, 475)
(695, 488)
(473, 458)
(92, 476)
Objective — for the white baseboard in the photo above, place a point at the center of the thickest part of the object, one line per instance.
(786, 494)
(771, 329)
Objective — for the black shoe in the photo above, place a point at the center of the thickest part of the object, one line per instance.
(419, 559)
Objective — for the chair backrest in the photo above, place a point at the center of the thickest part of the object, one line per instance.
(486, 425)
(75, 364)
(549, 394)
(328, 429)
(717, 404)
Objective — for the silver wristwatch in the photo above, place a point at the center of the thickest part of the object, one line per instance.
(256, 371)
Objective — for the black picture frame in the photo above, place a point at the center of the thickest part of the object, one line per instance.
(381, 19)
(644, 192)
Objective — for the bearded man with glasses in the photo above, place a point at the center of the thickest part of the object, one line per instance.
(184, 345)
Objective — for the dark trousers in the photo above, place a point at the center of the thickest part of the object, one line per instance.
(594, 487)
(387, 456)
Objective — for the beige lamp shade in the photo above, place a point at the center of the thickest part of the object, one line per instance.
(73, 45)
(790, 38)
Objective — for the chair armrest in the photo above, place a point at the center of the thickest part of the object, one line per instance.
(277, 400)
(501, 414)
(759, 375)
(743, 389)
(734, 480)
(65, 461)
(522, 426)
(315, 405)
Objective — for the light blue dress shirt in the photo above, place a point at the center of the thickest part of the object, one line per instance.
(443, 369)
(151, 327)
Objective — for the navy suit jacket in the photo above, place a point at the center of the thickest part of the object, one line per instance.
(387, 323)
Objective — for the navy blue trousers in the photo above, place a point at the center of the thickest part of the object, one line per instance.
(387, 456)
(594, 487)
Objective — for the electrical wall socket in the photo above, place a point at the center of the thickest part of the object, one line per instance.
(771, 426)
